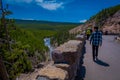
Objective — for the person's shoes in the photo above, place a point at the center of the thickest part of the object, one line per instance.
(96, 58)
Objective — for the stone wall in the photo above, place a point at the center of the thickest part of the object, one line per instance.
(66, 58)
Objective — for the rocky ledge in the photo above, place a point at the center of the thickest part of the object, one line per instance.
(64, 66)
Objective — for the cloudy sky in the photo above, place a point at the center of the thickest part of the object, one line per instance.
(57, 10)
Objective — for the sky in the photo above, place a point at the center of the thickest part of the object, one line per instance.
(57, 10)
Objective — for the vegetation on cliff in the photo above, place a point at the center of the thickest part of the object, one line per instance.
(104, 14)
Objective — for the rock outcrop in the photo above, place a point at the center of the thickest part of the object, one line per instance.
(53, 73)
(112, 24)
(76, 29)
(69, 53)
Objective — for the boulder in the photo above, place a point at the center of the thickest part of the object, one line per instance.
(63, 66)
(68, 53)
(112, 24)
(81, 37)
(53, 73)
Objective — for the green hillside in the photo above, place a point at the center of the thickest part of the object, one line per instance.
(45, 25)
(101, 16)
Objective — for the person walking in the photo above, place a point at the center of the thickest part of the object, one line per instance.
(96, 41)
(88, 33)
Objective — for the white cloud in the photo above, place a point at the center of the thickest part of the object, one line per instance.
(28, 19)
(49, 5)
(83, 21)
(46, 4)
(39, 1)
(19, 1)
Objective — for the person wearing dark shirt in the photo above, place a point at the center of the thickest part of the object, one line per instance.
(96, 41)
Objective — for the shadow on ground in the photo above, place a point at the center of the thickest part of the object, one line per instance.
(82, 70)
(102, 63)
(81, 73)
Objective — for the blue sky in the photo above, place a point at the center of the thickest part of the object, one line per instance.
(57, 10)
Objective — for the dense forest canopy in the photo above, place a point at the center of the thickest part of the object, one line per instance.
(45, 25)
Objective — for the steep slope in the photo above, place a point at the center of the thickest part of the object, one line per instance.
(107, 20)
(76, 29)
(112, 24)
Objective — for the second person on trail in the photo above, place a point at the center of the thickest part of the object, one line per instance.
(88, 33)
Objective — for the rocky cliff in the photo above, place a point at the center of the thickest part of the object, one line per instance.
(107, 20)
(112, 24)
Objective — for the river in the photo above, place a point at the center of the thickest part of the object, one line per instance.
(48, 44)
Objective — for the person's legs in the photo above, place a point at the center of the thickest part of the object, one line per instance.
(93, 51)
(97, 51)
(87, 36)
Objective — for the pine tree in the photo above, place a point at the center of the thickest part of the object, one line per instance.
(4, 40)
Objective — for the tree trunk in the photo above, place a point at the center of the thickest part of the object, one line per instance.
(3, 71)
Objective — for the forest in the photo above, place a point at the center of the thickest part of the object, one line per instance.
(26, 45)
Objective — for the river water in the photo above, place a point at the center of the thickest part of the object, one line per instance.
(48, 44)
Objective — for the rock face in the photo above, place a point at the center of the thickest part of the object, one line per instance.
(81, 37)
(76, 29)
(69, 53)
(29, 76)
(53, 73)
(112, 25)
(62, 66)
